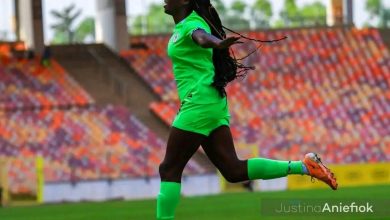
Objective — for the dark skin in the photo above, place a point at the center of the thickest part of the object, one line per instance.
(219, 145)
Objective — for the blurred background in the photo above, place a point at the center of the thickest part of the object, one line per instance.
(87, 97)
(147, 16)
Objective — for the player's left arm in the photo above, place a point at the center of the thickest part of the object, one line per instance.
(206, 40)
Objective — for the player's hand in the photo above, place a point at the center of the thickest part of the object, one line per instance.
(227, 42)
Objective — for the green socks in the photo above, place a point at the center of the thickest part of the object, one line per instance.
(258, 168)
(167, 200)
(261, 168)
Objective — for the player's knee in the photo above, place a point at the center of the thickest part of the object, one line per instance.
(236, 172)
(233, 179)
(169, 172)
(163, 169)
(233, 176)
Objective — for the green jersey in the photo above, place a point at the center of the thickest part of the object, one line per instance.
(193, 66)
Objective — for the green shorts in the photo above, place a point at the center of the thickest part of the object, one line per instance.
(202, 118)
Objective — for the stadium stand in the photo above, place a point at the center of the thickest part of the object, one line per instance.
(26, 84)
(157, 68)
(45, 112)
(337, 104)
(7, 48)
(84, 144)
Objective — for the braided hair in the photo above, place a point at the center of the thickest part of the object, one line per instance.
(227, 67)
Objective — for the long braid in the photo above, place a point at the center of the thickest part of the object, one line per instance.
(227, 66)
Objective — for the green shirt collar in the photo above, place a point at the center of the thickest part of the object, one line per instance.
(182, 21)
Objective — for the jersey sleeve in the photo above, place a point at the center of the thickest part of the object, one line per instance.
(194, 24)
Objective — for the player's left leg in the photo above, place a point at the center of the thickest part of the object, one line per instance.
(219, 147)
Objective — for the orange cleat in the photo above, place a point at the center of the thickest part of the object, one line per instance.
(318, 170)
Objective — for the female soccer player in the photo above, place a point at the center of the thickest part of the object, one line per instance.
(202, 66)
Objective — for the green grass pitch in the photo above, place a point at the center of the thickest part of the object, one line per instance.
(235, 206)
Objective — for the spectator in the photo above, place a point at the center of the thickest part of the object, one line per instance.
(46, 57)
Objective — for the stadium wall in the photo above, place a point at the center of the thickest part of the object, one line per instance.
(140, 188)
